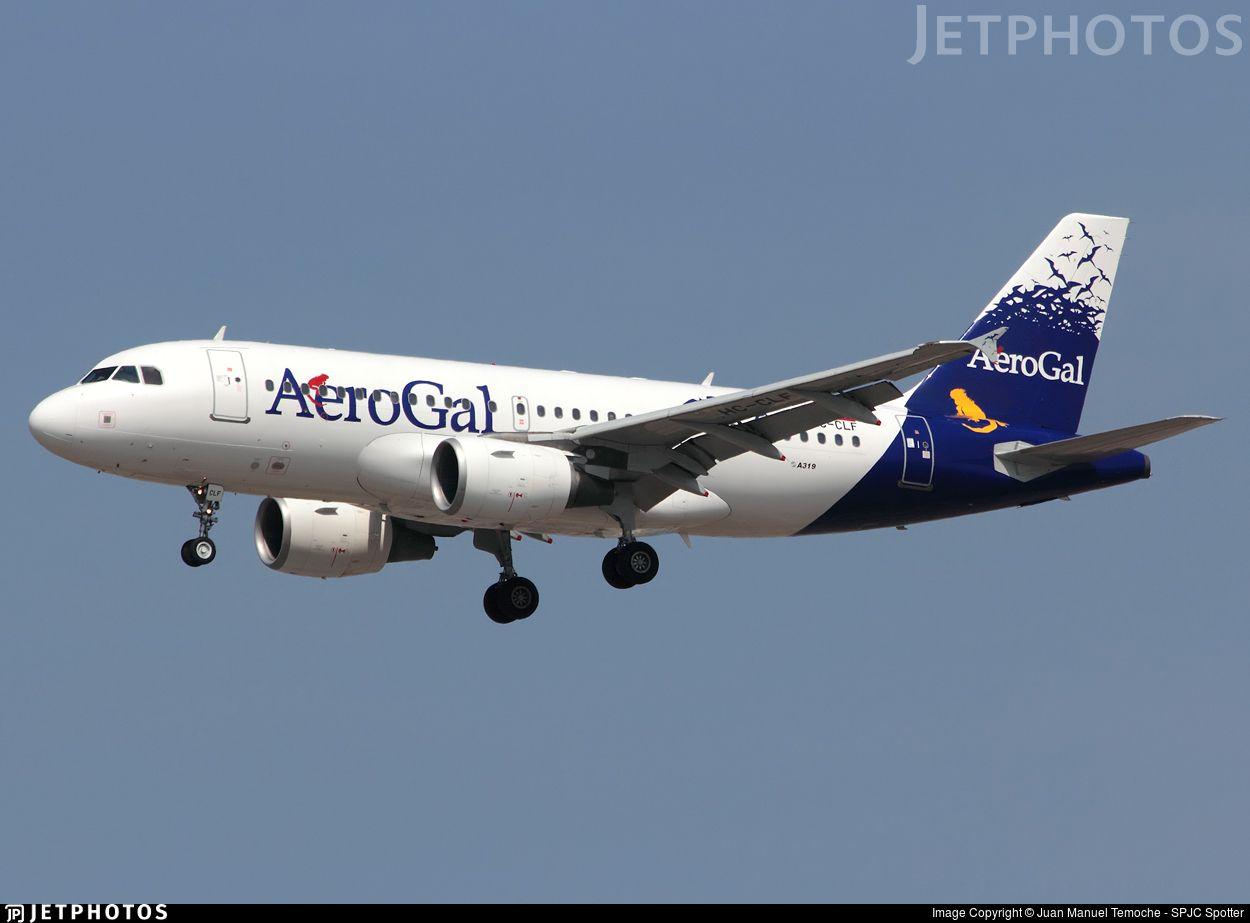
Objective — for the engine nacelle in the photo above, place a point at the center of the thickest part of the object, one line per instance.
(312, 538)
(496, 481)
(396, 468)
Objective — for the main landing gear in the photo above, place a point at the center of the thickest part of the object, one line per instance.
(202, 550)
(511, 598)
(630, 563)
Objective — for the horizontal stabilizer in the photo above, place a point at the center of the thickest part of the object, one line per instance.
(1025, 462)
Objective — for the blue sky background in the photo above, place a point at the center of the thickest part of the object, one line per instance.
(1046, 703)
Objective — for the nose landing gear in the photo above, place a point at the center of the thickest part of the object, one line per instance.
(202, 550)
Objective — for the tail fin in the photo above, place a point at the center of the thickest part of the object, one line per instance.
(1053, 310)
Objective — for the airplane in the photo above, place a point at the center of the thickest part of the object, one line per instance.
(365, 460)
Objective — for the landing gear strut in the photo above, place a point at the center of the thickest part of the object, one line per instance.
(511, 598)
(631, 562)
(202, 550)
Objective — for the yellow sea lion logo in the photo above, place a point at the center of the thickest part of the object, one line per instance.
(967, 409)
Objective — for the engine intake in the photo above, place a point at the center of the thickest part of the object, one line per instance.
(497, 481)
(315, 539)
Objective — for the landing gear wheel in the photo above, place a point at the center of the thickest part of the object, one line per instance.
(491, 605)
(198, 551)
(517, 597)
(510, 600)
(637, 562)
(612, 574)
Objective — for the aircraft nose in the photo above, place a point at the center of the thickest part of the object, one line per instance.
(52, 421)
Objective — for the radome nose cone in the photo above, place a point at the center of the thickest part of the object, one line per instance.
(52, 422)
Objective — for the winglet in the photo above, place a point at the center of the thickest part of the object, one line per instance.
(707, 381)
(220, 335)
(988, 343)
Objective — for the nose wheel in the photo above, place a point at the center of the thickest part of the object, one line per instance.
(629, 564)
(197, 552)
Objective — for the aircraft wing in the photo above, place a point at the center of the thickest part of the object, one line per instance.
(675, 445)
(671, 425)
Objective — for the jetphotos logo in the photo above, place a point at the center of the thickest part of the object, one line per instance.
(76, 913)
(1103, 34)
(1050, 365)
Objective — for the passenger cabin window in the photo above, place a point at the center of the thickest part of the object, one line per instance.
(559, 413)
(101, 374)
(542, 411)
(855, 441)
(127, 373)
(820, 437)
(577, 414)
(268, 384)
(611, 415)
(837, 438)
(594, 416)
(153, 376)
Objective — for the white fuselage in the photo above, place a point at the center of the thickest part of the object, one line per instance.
(221, 415)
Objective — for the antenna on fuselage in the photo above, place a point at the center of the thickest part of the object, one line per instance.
(220, 335)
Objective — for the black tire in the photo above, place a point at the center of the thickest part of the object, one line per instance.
(197, 552)
(612, 574)
(516, 598)
(490, 602)
(637, 562)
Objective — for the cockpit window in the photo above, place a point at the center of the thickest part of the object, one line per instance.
(127, 373)
(101, 374)
(152, 376)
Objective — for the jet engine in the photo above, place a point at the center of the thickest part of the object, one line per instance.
(312, 538)
(396, 468)
(510, 483)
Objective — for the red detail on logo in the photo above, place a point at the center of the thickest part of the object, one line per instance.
(314, 387)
